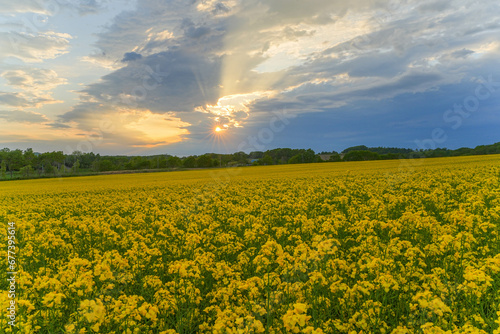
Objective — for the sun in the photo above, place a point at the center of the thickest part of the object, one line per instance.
(218, 129)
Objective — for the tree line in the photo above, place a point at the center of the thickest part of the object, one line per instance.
(17, 164)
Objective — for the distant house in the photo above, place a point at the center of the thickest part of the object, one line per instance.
(325, 157)
(253, 160)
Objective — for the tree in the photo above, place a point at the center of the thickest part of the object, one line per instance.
(355, 148)
(161, 162)
(296, 159)
(51, 161)
(57, 158)
(14, 160)
(105, 165)
(138, 163)
(26, 171)
(75, 167)
(309, 156)
(335, 157)
(189, 162)
(361, 156)
(317, 158)
(267, 160)
(87, 159)
(256, 155)
(4, 156)
(96, 165)
(241, 157)
(29, 159)
(204, 161)
(173, 162)
(3, 169)
(48, 168)
(72, 158)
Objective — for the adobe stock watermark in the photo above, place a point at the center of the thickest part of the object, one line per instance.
(454, 117)
(11, 273)
(459, 112)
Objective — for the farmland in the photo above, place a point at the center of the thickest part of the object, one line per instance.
(355, 247)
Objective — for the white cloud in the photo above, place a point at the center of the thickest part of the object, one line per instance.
(24, 6)
(33, 47)
(33, 79)
(25, 99)
(22, 116)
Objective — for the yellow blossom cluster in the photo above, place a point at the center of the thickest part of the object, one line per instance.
(355, 247)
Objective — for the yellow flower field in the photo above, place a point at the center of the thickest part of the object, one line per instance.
(364, 247)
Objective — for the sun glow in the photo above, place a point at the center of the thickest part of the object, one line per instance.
(218, 129)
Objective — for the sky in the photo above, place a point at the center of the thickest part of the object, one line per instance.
(183, 77)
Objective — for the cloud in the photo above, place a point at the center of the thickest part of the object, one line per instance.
(435, 6)
(174, 81)
(25, 100)
(131, 56)
(33, 47)
(58, 126)
(22, 116)
(128, 127)
(85, 7)
(463, 53)
(34, 85)
(33, 79)
(132, 31)
(192, 31)
(191, 58)
(13, 99)
(23, 6)
(52, 7)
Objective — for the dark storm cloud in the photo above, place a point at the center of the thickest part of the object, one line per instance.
(192, 31)
(131, 56)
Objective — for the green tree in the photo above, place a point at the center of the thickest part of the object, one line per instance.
(240, 157)
(15, 161)
(76, 166)
(138, 163)
(51, 161)
(361, 156)
(26, 171)
(267, 160)
(189, 162)
(173, 162)
(296, 159)
(308, 156)
(57, 158)
(355, 148)
(48, 168)
(105, 165)
(335, 157)
(204, 161)
(29, 156)
(96, 165)
(3, 169)
(162, 162)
